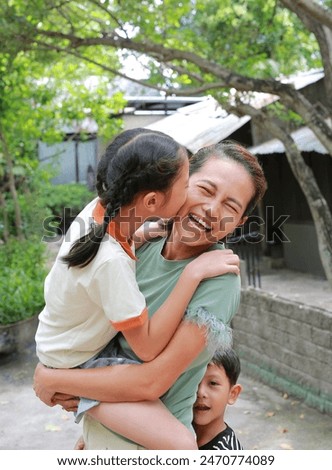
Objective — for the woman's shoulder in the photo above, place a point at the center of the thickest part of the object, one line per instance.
(217, 246)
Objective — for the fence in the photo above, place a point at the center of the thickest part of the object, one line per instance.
(248, 247)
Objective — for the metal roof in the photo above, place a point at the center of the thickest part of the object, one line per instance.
(304, 138)
(200, 124)
(303, 79)
(206, 123)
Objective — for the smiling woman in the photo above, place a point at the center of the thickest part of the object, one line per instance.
(226, 182)
(216, 203)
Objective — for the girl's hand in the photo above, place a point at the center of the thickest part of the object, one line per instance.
(40, 385)
(67, 402)
(150, 230)
(215, 263)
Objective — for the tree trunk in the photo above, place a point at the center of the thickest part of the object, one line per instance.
(318, 206)
(5, 232)
(12, 189)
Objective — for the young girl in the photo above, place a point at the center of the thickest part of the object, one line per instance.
(91, 292)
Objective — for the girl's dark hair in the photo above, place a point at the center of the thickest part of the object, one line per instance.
(230, 150)
(136, 160)
(229, 360)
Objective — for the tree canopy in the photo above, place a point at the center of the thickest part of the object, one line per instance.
(228, 49)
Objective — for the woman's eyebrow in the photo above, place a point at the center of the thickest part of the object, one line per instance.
(235, 202)
(215, 187)
(211, 183)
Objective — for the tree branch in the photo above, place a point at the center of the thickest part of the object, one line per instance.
(321, 15)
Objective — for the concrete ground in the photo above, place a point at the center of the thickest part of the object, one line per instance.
(262, 417)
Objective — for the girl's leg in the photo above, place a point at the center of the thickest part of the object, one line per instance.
(148, 423)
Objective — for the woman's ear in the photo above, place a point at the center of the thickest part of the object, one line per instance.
(234, 393)
(243, 220)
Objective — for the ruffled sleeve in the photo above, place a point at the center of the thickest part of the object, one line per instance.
(218, 334)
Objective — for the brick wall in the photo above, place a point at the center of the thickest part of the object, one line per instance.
(287, 345)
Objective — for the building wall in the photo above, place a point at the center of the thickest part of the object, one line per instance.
(301, 253)
(131, 121)
(285, 198)
(287, 345)
(69, 160)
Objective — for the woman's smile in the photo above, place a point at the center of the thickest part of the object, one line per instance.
(199, 222)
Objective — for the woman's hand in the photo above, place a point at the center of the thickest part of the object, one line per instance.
(80, 444)
(215, 263)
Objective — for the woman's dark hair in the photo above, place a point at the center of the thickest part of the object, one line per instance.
(136, 160)
(230, 150)
(229, 360)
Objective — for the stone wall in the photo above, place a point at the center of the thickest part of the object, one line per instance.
(287, 345)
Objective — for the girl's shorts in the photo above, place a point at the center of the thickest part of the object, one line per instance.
(111, 355)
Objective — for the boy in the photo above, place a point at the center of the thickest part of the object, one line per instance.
(218, 388)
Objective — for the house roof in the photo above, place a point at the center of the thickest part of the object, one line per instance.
(304, 138)
(165, 104)
(206, 123)
(200, 124)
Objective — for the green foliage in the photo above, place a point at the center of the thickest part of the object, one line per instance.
(257, 38)
(21, 279)
(23, 263)
(46, 203)
(63, 202)
(73, 195)
(41, 93)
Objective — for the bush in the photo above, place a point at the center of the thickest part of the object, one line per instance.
(48, 207)
(73, 196)
(23, 271)
(64, 201)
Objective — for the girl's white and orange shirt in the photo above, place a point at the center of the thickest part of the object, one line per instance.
(86, 307)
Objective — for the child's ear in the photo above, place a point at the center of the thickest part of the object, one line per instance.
(234, 393)
(151, 201)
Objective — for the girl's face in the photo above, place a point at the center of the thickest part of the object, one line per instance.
(177, 195)
(218, 195)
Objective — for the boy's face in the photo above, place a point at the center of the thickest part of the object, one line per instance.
(213, 395)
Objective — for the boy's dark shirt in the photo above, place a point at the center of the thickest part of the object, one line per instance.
(225, 440)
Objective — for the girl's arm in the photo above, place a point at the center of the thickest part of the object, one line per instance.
(149, 339)
(136, 383)
(129, 382)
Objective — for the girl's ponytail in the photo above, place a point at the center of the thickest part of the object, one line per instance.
(85, 248)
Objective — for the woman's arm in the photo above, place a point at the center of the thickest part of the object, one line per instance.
(125, 383)
(149, 339)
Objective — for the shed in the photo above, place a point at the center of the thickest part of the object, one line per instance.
(285, 198)
(200, 124)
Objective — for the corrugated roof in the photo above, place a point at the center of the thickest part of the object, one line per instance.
(304, 138)
(200, 124)
(206, 123)
(303, 79)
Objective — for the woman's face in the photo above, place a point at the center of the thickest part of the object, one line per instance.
(218, 195)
